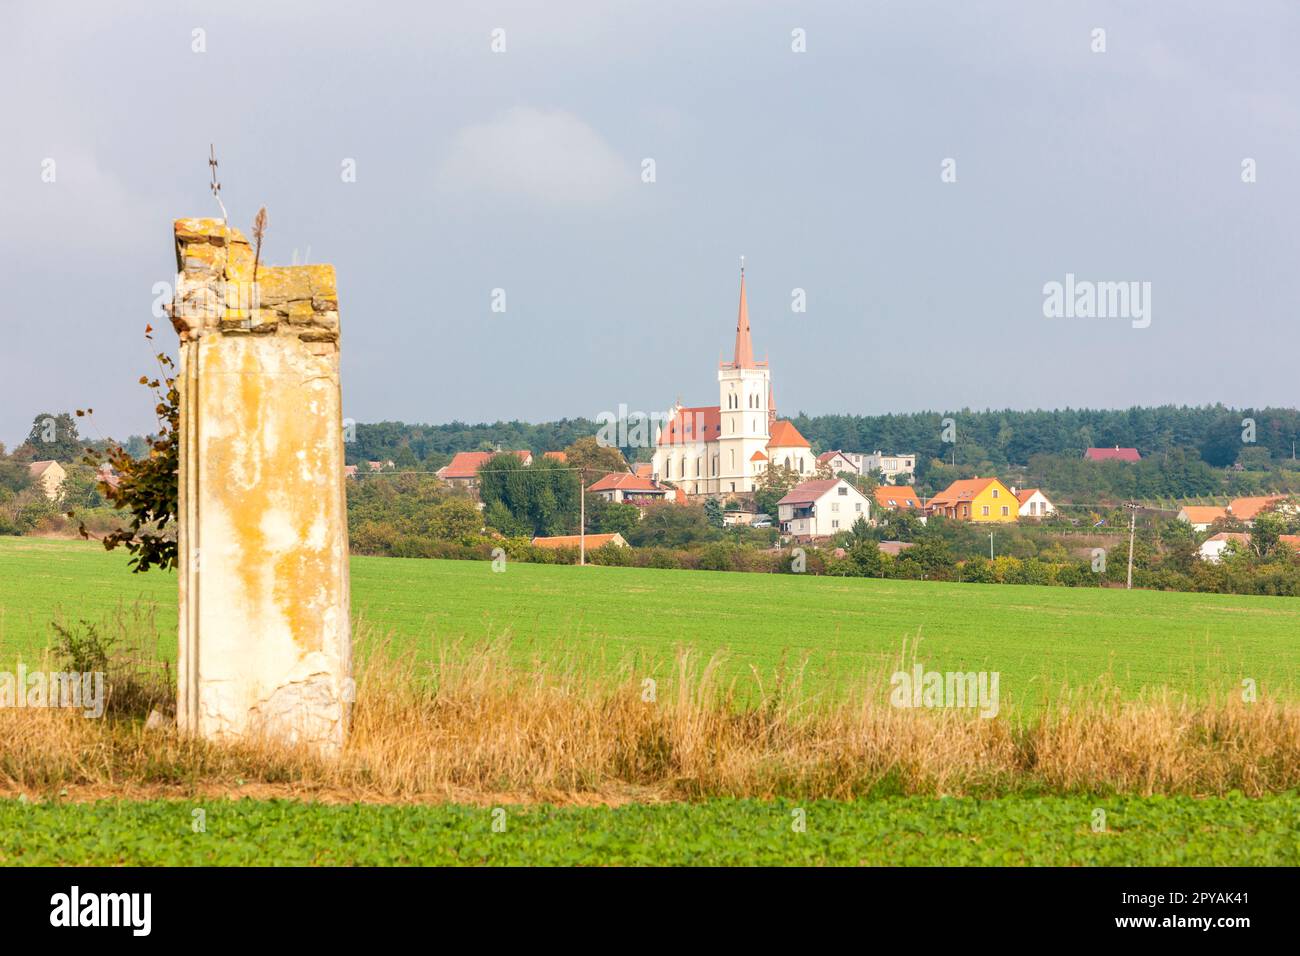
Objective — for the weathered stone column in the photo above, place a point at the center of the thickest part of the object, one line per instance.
(265, 642)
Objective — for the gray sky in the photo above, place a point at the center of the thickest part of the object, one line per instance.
(522, 170)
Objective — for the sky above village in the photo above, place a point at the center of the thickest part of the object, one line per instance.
(920, 171)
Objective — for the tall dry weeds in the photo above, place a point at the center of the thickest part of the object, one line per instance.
(477, 725)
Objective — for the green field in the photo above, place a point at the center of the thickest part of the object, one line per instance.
(893, 832)
(1036, 637)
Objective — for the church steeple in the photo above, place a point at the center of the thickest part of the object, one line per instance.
(744, 347)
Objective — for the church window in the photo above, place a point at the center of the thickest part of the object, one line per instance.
(787, 461)
(733, 464)
(668, 467)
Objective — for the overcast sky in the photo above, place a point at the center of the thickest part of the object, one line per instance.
(522, 170)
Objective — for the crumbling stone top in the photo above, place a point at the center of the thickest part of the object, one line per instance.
(220, 290)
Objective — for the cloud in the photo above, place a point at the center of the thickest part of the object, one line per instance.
(549, 157)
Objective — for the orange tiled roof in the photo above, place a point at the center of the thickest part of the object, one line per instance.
(702, 423)
(962, 490)
(1204, 514)
(1246, 508)
(758, 456)
(467, 463)
(624, 481)
(557, 455)
(785, 435)
(1024, 494)
(572, 541)
(897, 496)
(644, 469)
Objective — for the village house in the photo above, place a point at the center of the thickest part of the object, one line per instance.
(897, 496)
(892, 467)
(1033, 503)
(837, 462)
(1245, 509)
(820, 508)
(49, 475)
(1200, 517)
(1212, 548)
(1112, 454)
(463, 470)
(982, 500)
(627, 488)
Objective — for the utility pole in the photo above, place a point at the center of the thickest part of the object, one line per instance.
(582, 520)
(1132, 528)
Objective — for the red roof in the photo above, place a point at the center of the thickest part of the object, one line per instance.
(828, 455)
(1024, 494)
(644, 469)
(557, 455)
(785, 435)
(702, 423)
(467, 463)
(626, 482)
(1112, 454)
(808, 491)
(758, 456)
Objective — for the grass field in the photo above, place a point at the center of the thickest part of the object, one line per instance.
(892, 832)
(1036, 637)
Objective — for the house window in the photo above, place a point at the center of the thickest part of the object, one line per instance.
(857, 506)
(835, 506)
(843, 491)
(985, 511)
(835, 524)
(995, 492)
(1005, 511)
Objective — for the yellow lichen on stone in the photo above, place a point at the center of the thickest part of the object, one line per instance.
(277, 284)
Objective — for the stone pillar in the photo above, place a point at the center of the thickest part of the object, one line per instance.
(265, 641)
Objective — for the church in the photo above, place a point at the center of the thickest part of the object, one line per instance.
(725, 448)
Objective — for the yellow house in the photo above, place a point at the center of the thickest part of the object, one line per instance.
(983, 500)
(49, 475)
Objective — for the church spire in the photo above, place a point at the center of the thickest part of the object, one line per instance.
(744, 347)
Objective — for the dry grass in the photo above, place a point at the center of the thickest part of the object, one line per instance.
(478, 727)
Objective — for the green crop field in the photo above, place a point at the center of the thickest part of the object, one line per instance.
(1036, 637)
(893, 832)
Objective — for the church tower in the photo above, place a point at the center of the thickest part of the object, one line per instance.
(744, 392)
